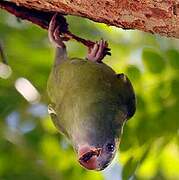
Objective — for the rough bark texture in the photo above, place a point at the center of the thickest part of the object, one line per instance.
(154, 16)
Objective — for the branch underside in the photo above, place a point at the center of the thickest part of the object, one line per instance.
(161, 17)
(42, 19)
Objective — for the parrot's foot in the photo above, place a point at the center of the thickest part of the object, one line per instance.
(98, 51)
(55, 34)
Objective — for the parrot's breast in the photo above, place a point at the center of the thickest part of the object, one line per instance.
(77, 78)
(85, 94)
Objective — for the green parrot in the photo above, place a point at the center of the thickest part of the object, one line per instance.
(90, 103)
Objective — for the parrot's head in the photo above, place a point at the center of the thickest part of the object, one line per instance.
(95, 135)
(96, 143)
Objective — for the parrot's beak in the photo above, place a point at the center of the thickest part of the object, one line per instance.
(88, 157)
(97, 158)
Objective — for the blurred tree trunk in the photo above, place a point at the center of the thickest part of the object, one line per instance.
(154, 16)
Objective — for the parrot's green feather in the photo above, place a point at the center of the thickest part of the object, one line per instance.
(55, 119)
(90, 95)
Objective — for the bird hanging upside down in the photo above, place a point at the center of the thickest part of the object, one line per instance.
(90, 102)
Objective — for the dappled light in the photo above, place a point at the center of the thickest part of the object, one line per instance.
(27, 90)
(5, 71)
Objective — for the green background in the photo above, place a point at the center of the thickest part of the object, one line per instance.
(31, 148)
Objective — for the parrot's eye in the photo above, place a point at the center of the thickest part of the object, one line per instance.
(110, 147)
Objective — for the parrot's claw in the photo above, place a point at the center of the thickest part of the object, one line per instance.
(54, 33)
(98, 51)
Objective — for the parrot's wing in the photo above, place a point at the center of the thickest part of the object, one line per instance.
(55, 119)
(128, 95)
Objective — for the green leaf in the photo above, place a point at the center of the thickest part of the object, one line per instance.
(153, 61)
(173, 57)
(133, 73)
(129, 168)
(175, 87)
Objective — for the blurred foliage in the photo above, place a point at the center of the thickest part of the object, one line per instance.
(30, 146)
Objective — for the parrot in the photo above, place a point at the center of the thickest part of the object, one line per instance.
(90, 103)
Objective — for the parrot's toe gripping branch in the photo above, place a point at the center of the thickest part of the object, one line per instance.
(58, 28)
(54, 32)
(98, 51)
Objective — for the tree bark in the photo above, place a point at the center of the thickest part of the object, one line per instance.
(154, 16)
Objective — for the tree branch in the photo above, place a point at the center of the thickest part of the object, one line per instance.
(42, 19)
(154, 16)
